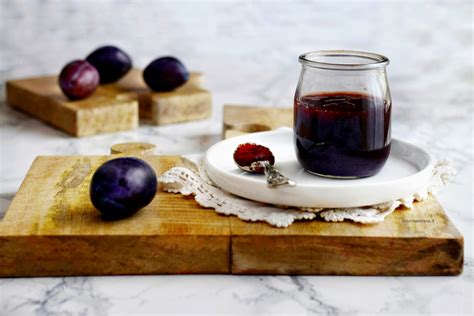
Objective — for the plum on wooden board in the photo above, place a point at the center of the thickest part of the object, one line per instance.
(111, 62)
(122, 186)
(165, 74)
(78, 79)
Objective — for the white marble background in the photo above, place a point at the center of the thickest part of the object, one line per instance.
(248, 51)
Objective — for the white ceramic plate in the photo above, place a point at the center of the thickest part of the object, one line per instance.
(407, 170)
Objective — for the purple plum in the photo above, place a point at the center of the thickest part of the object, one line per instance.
(111, 62)
(122, 186)
(165, 74)
(78, 79)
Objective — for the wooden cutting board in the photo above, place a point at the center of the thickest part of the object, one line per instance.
(52, 229)
(112, 107)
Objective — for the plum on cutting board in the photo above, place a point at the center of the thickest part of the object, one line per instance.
(165, 74)
(78, 79)
(111, 62)
(122, 186)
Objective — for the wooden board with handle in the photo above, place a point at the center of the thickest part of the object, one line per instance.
(112, 107)
(52, 229)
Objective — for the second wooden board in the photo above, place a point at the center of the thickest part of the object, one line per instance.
(112, 107)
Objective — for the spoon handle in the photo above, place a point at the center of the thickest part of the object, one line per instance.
(274, 177)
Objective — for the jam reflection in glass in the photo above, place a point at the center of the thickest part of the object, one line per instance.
(342, 134)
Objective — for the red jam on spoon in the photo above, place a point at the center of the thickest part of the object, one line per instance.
(248, 155)
(255, 158)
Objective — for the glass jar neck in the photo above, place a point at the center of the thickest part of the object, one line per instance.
(343, 60)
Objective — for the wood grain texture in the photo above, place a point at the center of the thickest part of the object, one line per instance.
(102, 112)
(186, 103)
(52, 229)
(421, 241)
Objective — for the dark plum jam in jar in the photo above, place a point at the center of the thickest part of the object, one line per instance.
(344, 133)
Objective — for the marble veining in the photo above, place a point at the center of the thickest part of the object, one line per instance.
(248, 52)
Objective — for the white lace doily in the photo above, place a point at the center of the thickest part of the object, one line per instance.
(192, 179)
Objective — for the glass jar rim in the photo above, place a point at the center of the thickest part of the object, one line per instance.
(319, 59)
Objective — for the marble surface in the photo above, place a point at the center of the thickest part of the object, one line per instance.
(248, 52)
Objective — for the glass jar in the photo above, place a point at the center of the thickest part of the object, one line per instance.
(342, 113)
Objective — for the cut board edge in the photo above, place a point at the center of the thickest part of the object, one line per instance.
(51, 256)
